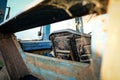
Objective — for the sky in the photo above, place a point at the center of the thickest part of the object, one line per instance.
(17, 6)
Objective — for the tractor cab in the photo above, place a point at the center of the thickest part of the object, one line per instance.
(72, 56)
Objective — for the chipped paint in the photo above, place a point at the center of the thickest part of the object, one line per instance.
(56, 69)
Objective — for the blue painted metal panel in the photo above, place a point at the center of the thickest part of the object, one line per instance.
(46, 32)
(36, 45)
(3, 4)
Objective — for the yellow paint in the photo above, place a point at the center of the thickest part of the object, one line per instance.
(111, 59)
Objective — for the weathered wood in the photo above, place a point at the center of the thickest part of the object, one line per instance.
(43, 12)
(12, 58)
(111, 57)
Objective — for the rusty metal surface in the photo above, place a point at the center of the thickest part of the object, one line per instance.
(55, 69)
(12, 58)
(4, 74)
(71, 45)
(43, 12)
(62, 44)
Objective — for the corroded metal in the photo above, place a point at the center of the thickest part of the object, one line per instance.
(4, 74)
(12, 58)
(71, 45)
(56, 69)
(43, 12)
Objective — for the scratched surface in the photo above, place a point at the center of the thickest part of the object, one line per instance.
(55, 69)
